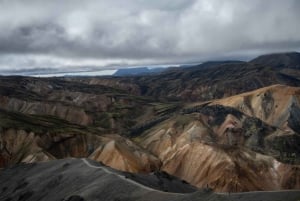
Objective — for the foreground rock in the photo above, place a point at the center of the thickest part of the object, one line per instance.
(85, 180)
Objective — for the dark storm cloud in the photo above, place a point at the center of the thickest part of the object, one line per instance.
(54, 33)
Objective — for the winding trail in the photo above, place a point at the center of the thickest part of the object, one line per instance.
(127, 179)
(181, 194)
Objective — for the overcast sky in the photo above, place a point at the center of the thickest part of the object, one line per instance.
(55, 33)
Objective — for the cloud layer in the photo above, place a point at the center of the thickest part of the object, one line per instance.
(55, 33)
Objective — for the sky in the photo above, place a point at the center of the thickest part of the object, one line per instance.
(78, 34)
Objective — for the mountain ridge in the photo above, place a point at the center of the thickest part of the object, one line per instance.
(282, 60)
(194, 123)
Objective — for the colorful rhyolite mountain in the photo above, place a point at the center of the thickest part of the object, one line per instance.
(231, 126)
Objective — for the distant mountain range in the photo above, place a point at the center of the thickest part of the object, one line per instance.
(138, 71)
(288, 60)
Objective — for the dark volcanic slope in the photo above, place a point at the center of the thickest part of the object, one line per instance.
(214, 82)
(287, 60)
(85, 178)
(204, 82)
(80, 179)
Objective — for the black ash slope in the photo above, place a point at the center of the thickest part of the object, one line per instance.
(85, 180)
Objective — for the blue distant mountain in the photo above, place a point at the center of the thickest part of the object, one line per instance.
(138, 71)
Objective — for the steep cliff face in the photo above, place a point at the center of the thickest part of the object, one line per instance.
(223, 148)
